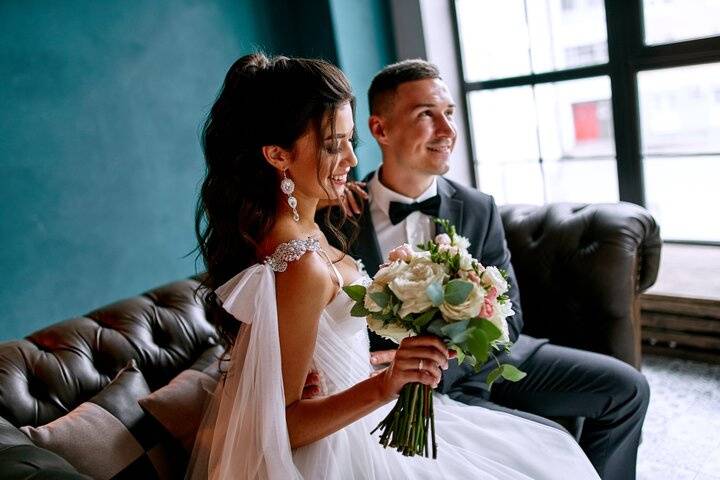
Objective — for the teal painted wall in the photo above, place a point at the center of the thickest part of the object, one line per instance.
(100, 109)
(99, 154)
(364, 42)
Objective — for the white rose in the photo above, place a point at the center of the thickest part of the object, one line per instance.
(390, 331)
(410, 285)
(470, 308)
(492, 277)
(462, 242)
(499, 319)
(387, 273)
(384, 276)
(466, 261)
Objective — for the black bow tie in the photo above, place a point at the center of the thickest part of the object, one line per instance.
(399, 211)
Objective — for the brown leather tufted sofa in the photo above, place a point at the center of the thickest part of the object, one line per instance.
(580, 269)
(55, 369)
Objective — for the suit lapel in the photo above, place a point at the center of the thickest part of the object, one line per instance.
(366, 246)
(450, 208)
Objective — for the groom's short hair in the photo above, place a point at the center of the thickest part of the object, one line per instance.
(383, 87)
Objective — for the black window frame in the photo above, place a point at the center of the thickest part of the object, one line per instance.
(627, 56)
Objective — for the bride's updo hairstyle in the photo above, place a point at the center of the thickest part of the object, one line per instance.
(263, 101)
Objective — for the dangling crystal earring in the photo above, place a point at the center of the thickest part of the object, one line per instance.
(288, 187)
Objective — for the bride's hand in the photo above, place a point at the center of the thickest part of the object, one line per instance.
(418, 359)
(382, 358)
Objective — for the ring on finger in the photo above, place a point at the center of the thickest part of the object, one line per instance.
(420, 364)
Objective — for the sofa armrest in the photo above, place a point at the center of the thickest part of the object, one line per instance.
(580, 269)
(21, 459)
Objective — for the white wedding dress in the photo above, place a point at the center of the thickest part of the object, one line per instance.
(244, 434)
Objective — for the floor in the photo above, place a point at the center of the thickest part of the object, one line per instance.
(681, 435)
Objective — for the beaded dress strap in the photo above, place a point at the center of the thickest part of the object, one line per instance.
(291, 251)
(296, 248)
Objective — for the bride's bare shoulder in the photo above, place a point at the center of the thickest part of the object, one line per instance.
(301, 274)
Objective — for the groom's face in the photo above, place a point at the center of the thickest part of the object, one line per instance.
(419, 128)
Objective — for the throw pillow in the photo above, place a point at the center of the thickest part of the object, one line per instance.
(109, 436)
(180, 404)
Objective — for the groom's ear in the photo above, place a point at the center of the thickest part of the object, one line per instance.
(277, 156)
(377, 128)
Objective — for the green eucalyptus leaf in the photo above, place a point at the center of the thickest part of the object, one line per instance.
(435, 327)
(356, 292)
(512, 373)
(381, 298)
(462, 337)
(478, 345)
(494, 375)
(491, 331)
(423, 319)
(457, 291)
(359, 310)
(455, 329)
(434, 292)
(385, 316)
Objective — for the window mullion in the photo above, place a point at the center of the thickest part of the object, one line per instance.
(624, 33)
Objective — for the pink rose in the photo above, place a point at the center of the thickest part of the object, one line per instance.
(474, 277)
(404, 252)
(443, 239)
(492, 294)
(487, 310)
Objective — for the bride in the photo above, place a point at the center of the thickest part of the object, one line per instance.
(278, 141)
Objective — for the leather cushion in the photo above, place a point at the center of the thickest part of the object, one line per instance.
(109, 436)
(179, 405)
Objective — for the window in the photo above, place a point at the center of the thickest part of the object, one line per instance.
(593, 101)
(700, 18)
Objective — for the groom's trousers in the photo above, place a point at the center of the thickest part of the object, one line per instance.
(610, 395)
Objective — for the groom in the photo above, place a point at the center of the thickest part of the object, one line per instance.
(412, 120)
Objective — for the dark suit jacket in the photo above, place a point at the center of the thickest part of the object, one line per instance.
(476, 217)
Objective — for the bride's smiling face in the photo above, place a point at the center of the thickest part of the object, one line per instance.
(323, 175)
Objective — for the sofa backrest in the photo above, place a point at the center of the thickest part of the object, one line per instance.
(55, 369)
(580, 270)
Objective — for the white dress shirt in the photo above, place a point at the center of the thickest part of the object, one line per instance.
(415, 229)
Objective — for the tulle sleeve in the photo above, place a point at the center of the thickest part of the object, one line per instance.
(244, 432)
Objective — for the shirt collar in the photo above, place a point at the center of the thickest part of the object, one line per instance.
(381, 195)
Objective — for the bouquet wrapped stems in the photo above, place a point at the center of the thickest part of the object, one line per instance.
(410, 426)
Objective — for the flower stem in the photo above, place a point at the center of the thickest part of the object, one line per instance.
(407, 425)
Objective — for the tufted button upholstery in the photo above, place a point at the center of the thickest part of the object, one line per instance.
(580, 269)
(55, 369)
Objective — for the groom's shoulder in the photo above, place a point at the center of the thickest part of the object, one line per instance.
(469, 194)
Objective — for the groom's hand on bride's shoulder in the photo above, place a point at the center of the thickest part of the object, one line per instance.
(352, 200)
(312, 386)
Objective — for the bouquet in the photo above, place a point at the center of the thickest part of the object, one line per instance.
(442, 290)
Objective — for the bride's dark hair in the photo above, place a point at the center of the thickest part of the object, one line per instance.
(263, 101)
